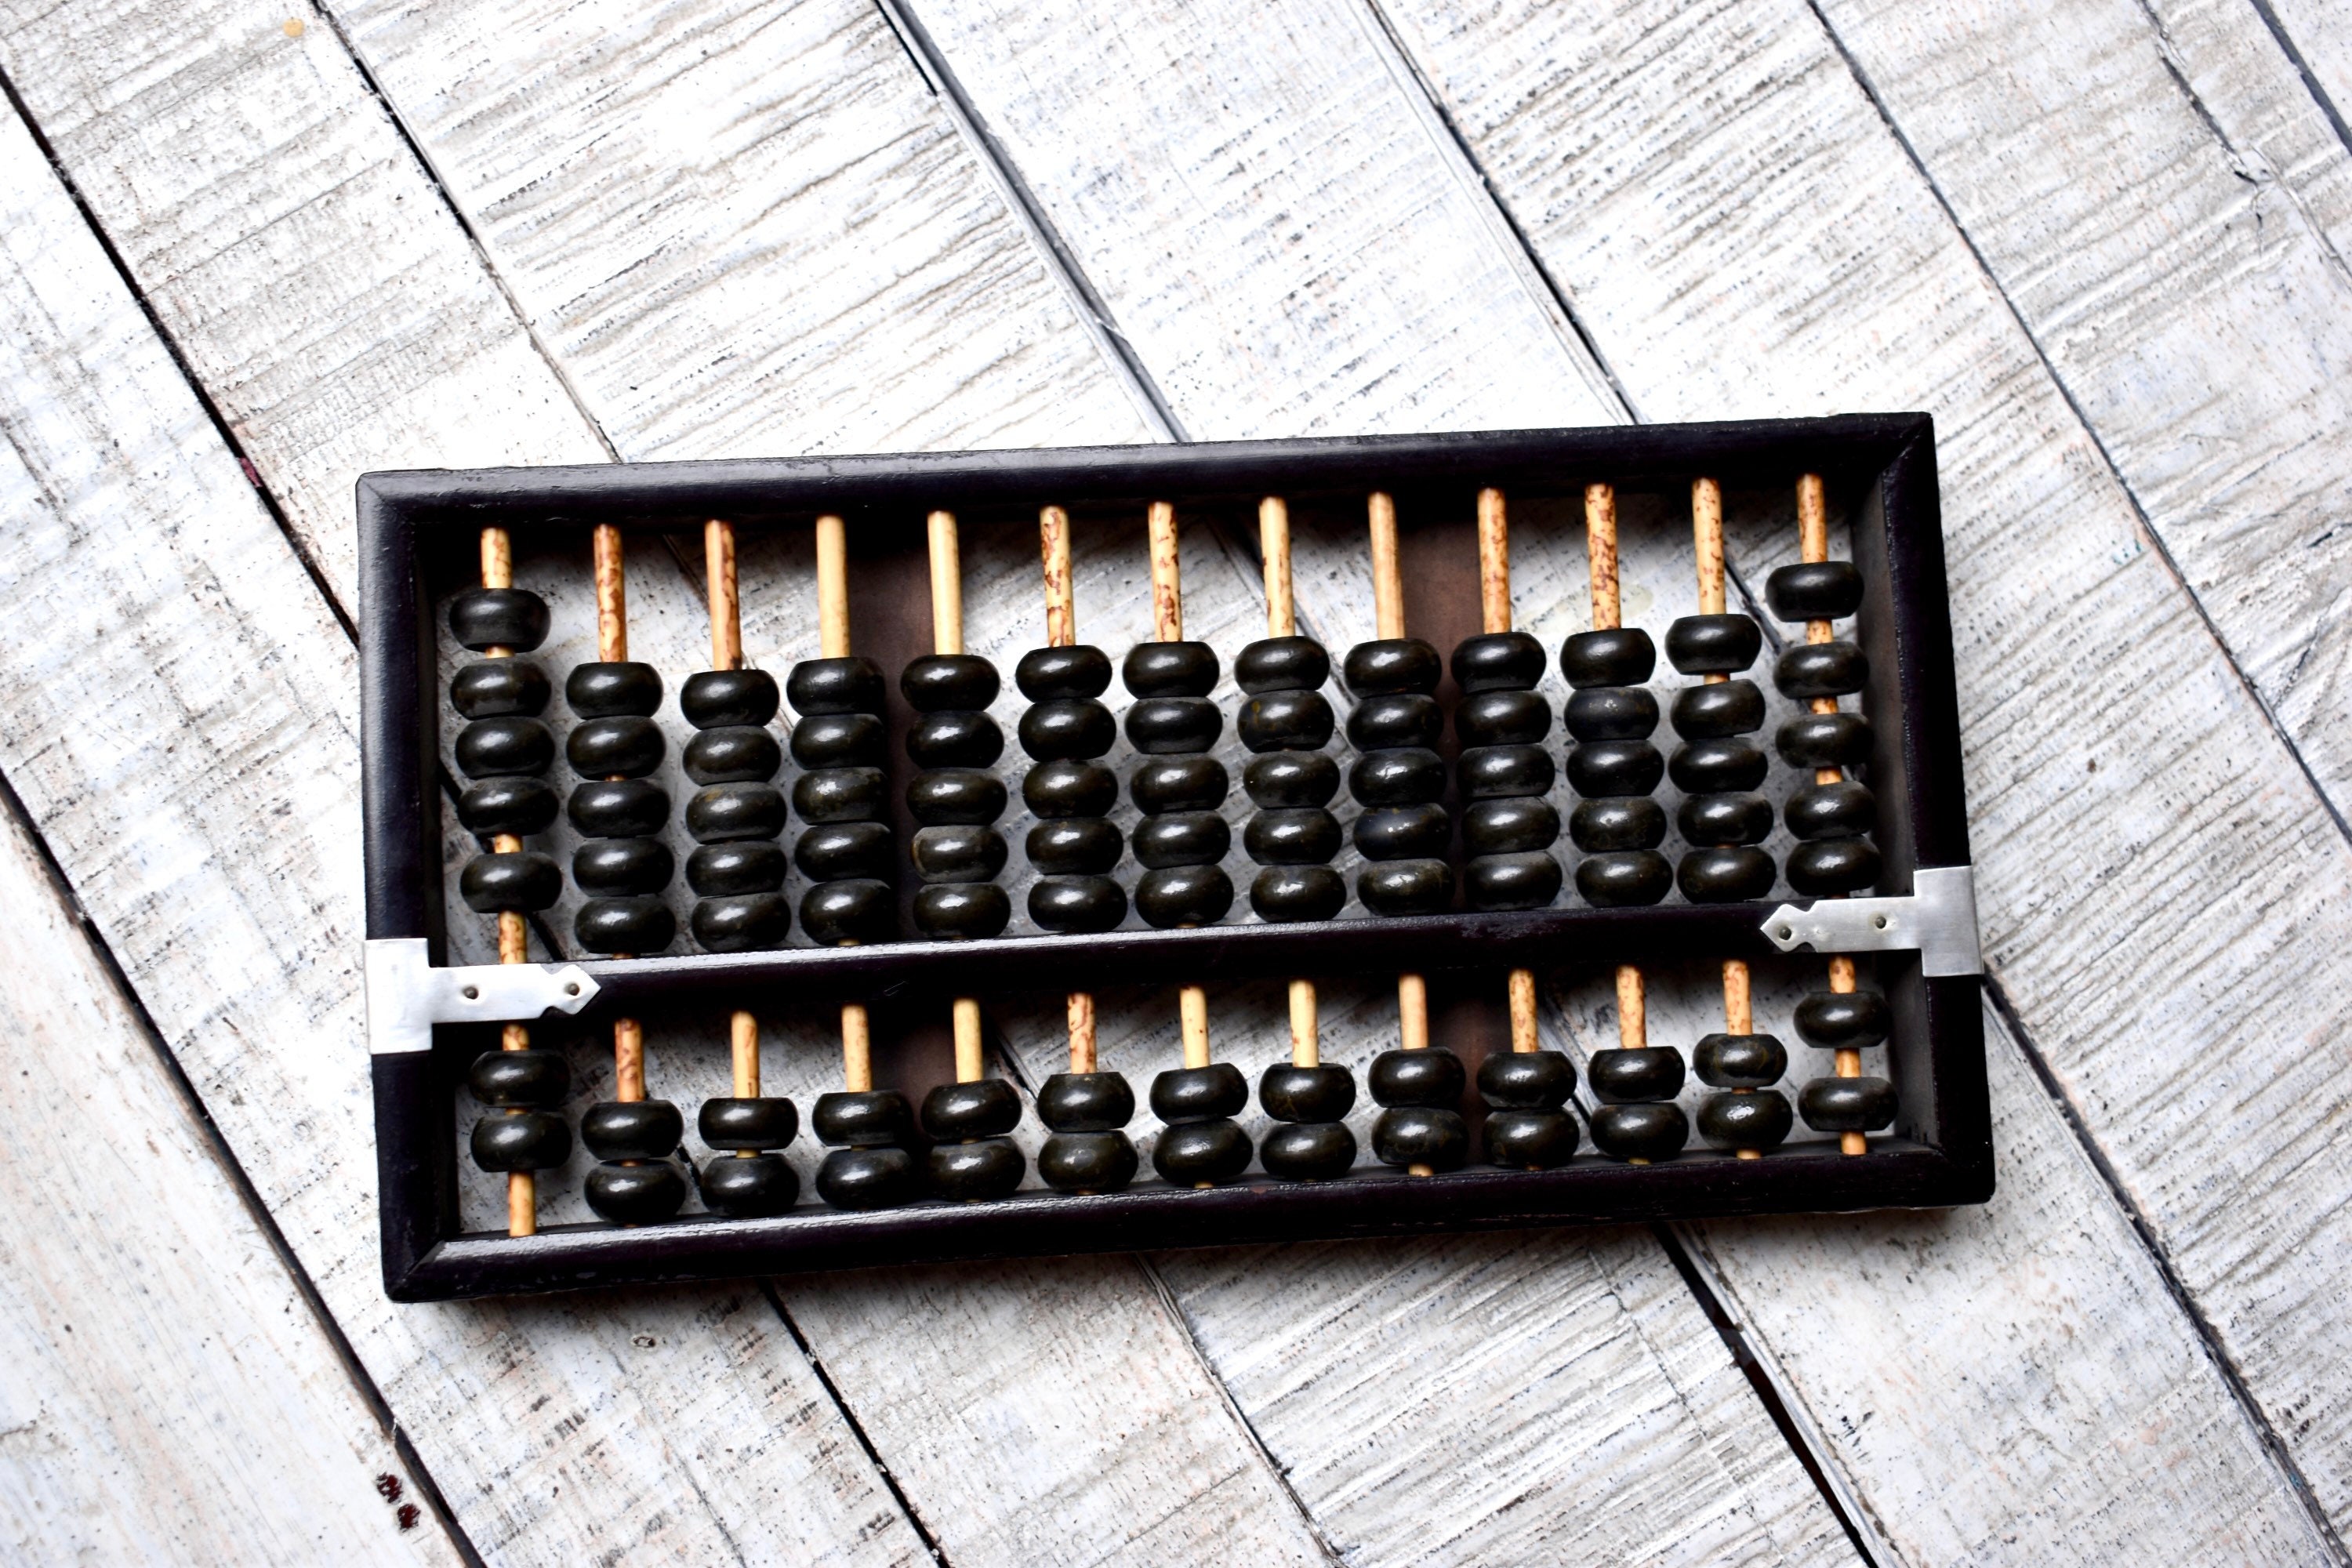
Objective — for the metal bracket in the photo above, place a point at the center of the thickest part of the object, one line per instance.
(406, 996)
(1937, 917)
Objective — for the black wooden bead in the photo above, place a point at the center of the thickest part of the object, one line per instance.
(957, 739)
(838, 913)
(1654, 1130)
(1055, 674)
(1615, 767)
(1284, 721)
(1390, 666)
(1617, 822)
(528, 1080)
(840, 851)
(1820, 670)
(862, 1179)
(1431, 1077)
(627, 748)
(738, 753)
(1739, 1061)
(1714, 645)
(1847, 1104)
(1162, 785)
(618, 808)
(1497, 662)
(1288, 894)
(1651, 1072)
(1719, 767)
(1844, 1020)
(620, 868)
(1509, 827)
(959, 854)
(985, 1108)
(1529, 880)
(1170, 726)
(1406, 887)
(759, 1186)
(1530, 1140)
(632, 1129)
(1406, 719)
(1719, 711)
(1325, 1093)
(1824, 741)
(1505, 772)
(861, 1118)
(1503, 719)
(841, 740)
(521, 882)
(841, 794)
(1527, 1081)
(1611, 713)
(1076, 904)
(1198, 1094)
(1414, 1135)
(955, 796)
(1412, 777)
(1622, 657)
(1183, 895)
(504, 748)
(735, 811)
(978, 1172)
(1306, 837)
(1281, 779)
(499, 688)
(1745, 1121)
(1624, 879)
(1181, 838)
(1084, 845)
(1308, 1151)
(512, 618)
(742, 923)
(1725, 875)
(1170, 670)
(534, 1140)
(945, 682)
(961, 911)
(1068, 789)
(636, 1194)
(1282, 664)
(1840, 810)
(1068, 728)
(1403, 833)
(640, 925)
(1201, 1153)
(1710, 819)
(728, 699)
(827, 686)
(765, 1122)
(1087, 1162)
(1814, 590)
(1824, 867)
(1086, 1102)
(614, 691)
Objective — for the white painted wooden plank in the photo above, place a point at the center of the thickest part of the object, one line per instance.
(2322, 35)
(181, 733)
(168, 1393)
(1753, 241)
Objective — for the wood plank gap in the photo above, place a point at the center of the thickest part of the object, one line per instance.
(2319, 94)
(225, 1160)
(2207, 1335)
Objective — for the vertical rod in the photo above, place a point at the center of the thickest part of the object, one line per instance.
(833, 587)
(1813, 546)
(947, 585)
(1274, 549)
(1523, 1011)
(743, 1041)
(1388, 579)
(969, 1066)
(1601, 544)
(1166, 582)
(856, 1048)
(611, 597)
(1306, 1045)
(1413, 1031)
(1082, 1031)
(1192, 1014)
(514, 931)
(1494, 563)
(721, 589)
(1062, 631)
(1707, 550)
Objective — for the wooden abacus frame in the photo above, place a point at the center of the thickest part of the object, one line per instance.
(413, 524)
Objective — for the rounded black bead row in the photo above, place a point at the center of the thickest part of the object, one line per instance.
(1745, 1112)
(1285, 722)
(866, 1163)
(1528, 1125)
(1202, 1144)
(1089, 1150)
(846, 848)
(1505, 774)
(1719, 770)
(955, 801)
(504, 749)
(1398, 778)
(1420, 1123)
(972, 1159)
(1311, 1140)
(737, 872)
(1845, 1021)
(620, 863)
(1831, 821)
(1613, 766)
(1177, 785)
(638, 1184)
(746, 1179)
(525, 1091)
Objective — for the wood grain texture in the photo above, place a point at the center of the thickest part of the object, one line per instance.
(1755, 241)
(2322, 37)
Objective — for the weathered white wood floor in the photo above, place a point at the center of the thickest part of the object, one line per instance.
(248, 251)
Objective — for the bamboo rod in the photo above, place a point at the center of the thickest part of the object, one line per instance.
(514, 928)
(1193, 1016)
(833, 587)
(1813, 546)
(726, 610)
(1082, 1031)
(1306, 1045)
(1494, 563)
(968, 1063)
(1388, 577)
(947, 585)
(1274, 549)
(1413, 1031)
(1062, 631)
(611, 597)
(1167, 590)
(744, 1043)
(1523, 1012)
(856, 1048)
(1600, 545)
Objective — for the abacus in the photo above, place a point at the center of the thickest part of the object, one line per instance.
(1400, 837)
